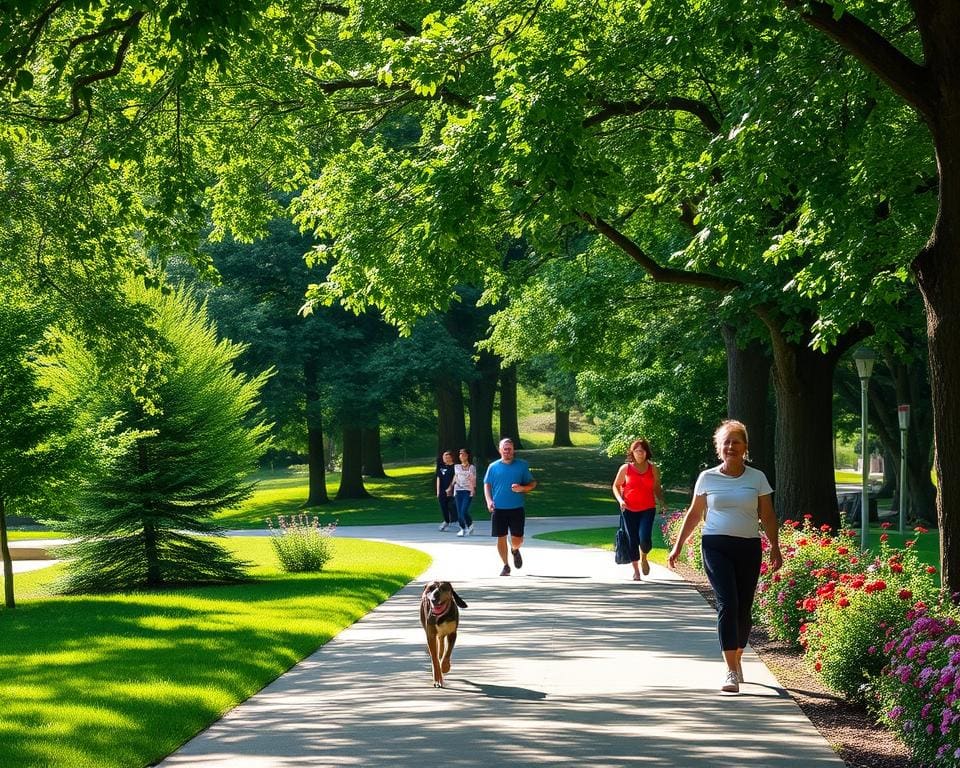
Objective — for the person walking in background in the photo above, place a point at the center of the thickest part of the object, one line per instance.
(637, 490)
(732, 496)
(464, 488)
(445, 489)
(504, 484)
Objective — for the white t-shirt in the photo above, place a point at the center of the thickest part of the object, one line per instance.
(732, 502)
(464, 478)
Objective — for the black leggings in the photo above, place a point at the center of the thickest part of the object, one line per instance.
(639, 531)
(732, 564)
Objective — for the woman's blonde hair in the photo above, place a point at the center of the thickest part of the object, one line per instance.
(726, 427)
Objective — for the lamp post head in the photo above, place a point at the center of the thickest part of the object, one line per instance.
(864, 357)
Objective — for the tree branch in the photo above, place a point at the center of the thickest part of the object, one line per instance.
(909, 80)
(611, 109)
(658, 273)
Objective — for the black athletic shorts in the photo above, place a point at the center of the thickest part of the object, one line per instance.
(504, 520)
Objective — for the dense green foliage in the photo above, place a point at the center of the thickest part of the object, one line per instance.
(180, 452)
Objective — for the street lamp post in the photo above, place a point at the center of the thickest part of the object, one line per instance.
(903, 414)
(864, 358)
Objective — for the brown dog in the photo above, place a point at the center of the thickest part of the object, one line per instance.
(440, 616)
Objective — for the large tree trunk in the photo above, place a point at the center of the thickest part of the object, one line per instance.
(451, 425)
(316, 462)
(561, 427)
(351, 474)
(509, 419)
(372, 458)
(803, 381)
(483, 390)
(7, 560)
(748, 389)
(938, 273)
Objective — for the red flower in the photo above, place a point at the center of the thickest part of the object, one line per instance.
(809, 605)
(808, 516)
(842, 550)
(854, 560)
(817, 666)
(931, 570)
(843, 602)
(883, 537)
(904, 594)
(921, 529)
(826, 542)
(896, 567)
(802, 542)
(909, 543)
(803, 628)
(825, 528)
(885, 525)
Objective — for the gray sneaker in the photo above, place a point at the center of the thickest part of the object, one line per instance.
(443, 526)
(506, 570)
(731, 683)
(517, 560)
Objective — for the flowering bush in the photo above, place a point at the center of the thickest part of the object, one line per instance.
(853, 616)
(301, 543)
(919, 692)
(811, 559)
(671, 526)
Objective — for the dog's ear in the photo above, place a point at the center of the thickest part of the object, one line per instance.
(426, 588)
(457, 599)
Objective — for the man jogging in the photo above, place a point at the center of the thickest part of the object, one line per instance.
(504, 484)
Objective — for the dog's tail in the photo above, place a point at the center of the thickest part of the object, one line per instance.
(457, 599)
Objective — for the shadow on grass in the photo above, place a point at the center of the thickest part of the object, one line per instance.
(123, 680)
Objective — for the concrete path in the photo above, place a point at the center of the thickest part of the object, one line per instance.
(564, 663)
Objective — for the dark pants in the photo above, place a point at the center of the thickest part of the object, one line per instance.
(463, 499)
(447, 508)
(732, 564)
(639, 531)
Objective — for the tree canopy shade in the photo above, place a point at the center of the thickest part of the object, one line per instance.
(660, 129)
(38, 460)
(179, 452)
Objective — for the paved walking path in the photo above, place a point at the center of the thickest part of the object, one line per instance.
(564, 663)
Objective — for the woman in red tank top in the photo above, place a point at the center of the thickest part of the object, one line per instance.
(637, 490)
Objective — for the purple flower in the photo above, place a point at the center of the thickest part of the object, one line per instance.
(951, 641)
(894, 714)
(925, 710)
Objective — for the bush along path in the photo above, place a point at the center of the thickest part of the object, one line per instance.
(863, 641)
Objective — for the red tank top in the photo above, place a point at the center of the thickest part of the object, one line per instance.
(638, 489)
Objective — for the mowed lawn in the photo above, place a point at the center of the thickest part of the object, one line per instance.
(572, 481)
(123, 680)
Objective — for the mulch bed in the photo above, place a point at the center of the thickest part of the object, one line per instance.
(848, 728)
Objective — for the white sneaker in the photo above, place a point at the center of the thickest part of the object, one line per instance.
(731, 683)
(470, 529)
(443, 526)
(460, 532)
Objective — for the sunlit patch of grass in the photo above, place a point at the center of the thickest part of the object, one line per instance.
(572, 481)
(122, 680)
(602, 538)
(44, 534)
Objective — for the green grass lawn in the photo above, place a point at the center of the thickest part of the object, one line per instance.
(573, 481)
(602, 538)
(123, 680)
(927, 546)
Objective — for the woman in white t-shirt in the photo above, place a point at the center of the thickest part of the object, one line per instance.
(730, 498)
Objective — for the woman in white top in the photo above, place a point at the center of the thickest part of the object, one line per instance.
(731, 498)
(464, 489)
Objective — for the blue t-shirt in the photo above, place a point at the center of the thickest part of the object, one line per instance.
(501, 476)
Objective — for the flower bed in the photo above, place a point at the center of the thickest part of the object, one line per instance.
(865, 627)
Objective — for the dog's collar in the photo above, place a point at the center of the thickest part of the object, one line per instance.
(438, 609)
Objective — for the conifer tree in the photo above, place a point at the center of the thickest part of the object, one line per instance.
(181, 450)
